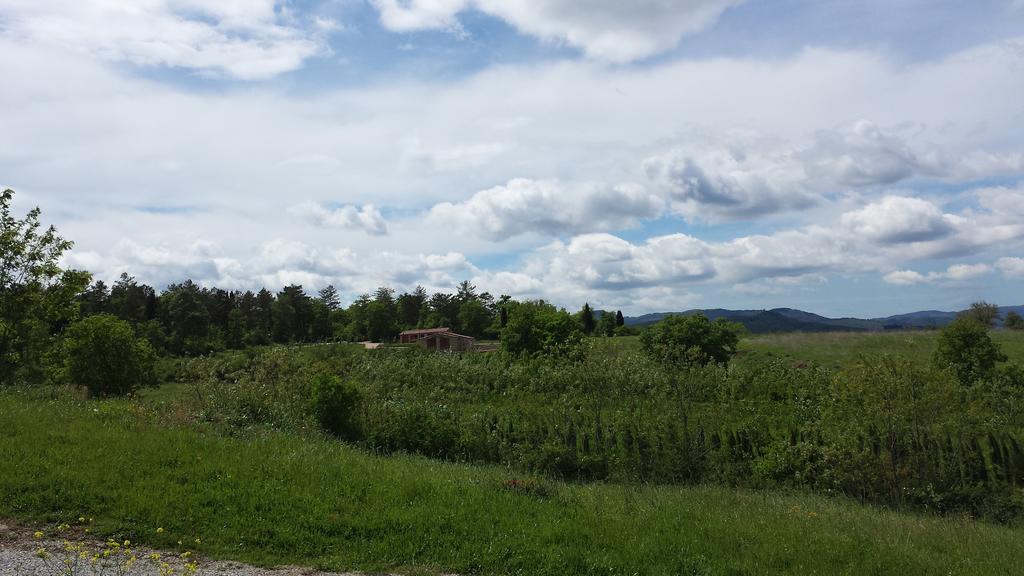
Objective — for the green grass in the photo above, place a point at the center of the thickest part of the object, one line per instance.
(281, 499)
(841, 349)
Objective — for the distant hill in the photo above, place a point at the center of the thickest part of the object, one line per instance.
(793, 320)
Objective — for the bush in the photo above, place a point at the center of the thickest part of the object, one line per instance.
(691, 340)
(538, 327)
(103, 354)
(965, 347)
(1013, 321)
(336, 406)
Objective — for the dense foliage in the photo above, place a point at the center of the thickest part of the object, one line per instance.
(885, 430)
(102, 354)
(1013, 321)
(536, 327)
(37, 296)
(966, 348)
(188, 319)
(696, 340)
(335, 406)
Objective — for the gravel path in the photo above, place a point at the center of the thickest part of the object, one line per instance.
(18, 558)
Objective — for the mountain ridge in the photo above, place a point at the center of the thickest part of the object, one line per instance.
(794, 320)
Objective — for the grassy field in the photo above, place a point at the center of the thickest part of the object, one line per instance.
(842, 349)
(277, 498)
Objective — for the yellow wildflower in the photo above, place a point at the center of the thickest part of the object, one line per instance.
(37, 535)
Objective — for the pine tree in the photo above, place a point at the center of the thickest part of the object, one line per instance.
(329, 296)
(587, 319)
(619, 320)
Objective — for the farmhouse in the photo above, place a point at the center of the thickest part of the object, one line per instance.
(438, 339)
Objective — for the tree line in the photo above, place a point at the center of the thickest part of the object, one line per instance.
(40, 299)
(189, 319)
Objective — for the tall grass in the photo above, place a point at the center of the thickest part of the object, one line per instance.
(885, 431)
(279, 498)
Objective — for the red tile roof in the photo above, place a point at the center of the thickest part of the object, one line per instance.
(425, 331)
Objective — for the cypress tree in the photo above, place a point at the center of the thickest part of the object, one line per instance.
(587, 319)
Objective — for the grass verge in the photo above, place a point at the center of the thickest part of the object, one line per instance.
(280, 499)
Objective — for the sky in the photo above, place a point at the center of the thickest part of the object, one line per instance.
(850, 158)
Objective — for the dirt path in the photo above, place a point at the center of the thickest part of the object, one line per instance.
(19, 557)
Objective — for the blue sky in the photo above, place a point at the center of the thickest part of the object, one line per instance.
(848, 158)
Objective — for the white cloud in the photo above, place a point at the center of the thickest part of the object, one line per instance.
(728, 183)
(99, 143)
(367, 218)
(956, 272)
(601, 267)
(548, 208)
(608, 30)
(1011, 266)
(745, 175)
(246, 39)
(1002, 200)
(461, 157)
(898, 219)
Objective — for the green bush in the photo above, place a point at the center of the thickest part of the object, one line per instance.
(691, 340)
(536, 327)
(336, 406)
(966, 348)
(103, 354)
(1013, 321)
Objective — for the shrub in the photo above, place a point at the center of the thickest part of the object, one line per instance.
(965, 347)
(336, 406)
(1013, 321)
(982, 312)
(103, 354)
(538, 327)
(691, 340)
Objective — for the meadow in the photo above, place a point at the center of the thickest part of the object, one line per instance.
(809, 454)
(279, 498)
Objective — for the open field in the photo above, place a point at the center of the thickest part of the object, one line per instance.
(280, 499)
(842, 349)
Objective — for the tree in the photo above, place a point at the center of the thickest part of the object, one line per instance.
(129, 300)
(982, 312)
(536, 327)
(37, 296)
(95, 299)
(686, 340)
(587, 319)
(380, 321)
(466, 291)
(411, 307)
(234, 334)
(606, 324)
(444, 311)
(329, 296)
(1013, 321)
(293, 315)
(187, 320)
(103, 354)
(966, 348)
(474, 318)
(619, 320)
(322, 328)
